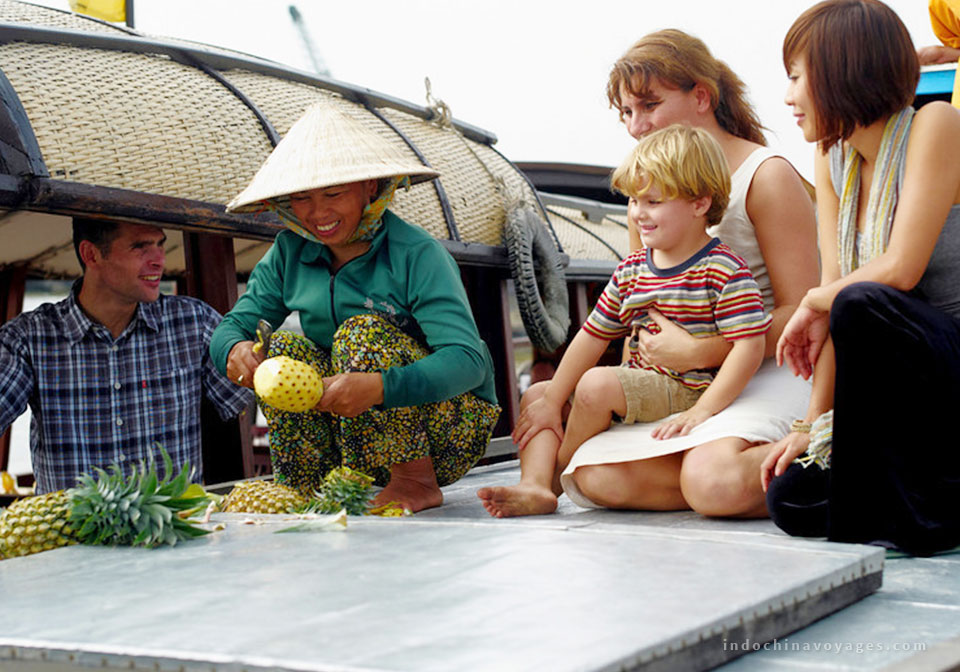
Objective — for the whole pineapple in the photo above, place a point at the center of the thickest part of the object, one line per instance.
(288, 384)
(138, 510)
(263, 497)
(36, 524)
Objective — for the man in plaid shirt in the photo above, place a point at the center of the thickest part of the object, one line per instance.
(115, 370)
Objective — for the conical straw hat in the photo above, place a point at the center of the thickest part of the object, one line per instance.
(324, 148)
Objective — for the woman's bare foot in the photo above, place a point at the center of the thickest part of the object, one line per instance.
(413, 485)
(522, 499)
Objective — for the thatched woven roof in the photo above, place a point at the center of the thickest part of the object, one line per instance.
(101, 120)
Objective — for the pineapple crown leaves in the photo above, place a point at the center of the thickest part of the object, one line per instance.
(342, 488)
(139, 510)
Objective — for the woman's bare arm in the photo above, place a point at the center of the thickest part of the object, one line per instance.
(783, 217)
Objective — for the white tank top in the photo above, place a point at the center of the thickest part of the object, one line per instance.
(736, 229)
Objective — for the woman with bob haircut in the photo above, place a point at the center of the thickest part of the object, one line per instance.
(671, 77)
(881, 334)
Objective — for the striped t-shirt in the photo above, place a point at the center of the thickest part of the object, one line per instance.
(711, 293)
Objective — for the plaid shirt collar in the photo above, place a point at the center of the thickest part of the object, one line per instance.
(76, 322)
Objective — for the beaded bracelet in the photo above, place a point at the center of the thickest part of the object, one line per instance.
(800, 426)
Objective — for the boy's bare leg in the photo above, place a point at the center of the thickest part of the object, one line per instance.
(652, 484)
(599, 395)
(537, 491)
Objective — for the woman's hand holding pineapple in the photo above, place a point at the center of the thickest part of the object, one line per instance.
(350, 394)
(242, 362)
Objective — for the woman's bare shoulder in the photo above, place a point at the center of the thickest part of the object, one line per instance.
(934, 145)
(936, 118)
(776, 175)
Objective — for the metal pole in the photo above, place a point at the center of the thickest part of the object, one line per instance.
(128, 10)
(318, 65)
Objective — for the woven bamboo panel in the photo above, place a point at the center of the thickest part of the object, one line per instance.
(467, 175)
(283, 102)
(19, 12)
(146, 123)
(574, 231)
(135, 121)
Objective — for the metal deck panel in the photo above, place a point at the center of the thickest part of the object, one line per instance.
(915, 613)
(449, 589)
(920, 595)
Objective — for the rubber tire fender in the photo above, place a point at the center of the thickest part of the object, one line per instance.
(538, 278)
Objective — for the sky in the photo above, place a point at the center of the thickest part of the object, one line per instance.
(532, 72)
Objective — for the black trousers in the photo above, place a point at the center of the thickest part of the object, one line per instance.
(895, 468)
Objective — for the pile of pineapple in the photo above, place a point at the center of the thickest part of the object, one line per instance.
(140, 509)
(144, 510)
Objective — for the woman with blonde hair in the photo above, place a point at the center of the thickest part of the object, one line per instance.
(671, 77)
(881, 334)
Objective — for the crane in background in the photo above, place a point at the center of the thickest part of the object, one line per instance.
(318, 65)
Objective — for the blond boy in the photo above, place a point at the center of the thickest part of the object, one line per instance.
(678, 183)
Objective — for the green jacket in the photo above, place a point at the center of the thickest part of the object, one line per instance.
(405, 274)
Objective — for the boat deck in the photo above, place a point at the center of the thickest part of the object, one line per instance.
(453, 589)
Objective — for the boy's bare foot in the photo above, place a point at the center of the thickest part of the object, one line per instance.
(413, 485)
(522, 499)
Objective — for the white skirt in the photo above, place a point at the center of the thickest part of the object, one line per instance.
(762, 413)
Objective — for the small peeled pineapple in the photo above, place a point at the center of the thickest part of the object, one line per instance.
(262, 497)
(288, 384)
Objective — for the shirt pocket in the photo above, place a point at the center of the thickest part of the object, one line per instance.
(169, 406)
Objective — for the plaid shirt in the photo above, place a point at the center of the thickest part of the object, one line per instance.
(97, 400)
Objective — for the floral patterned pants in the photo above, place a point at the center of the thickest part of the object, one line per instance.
(304, 447)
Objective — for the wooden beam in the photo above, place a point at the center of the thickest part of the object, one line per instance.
(487, 291)
(211, 275)
(579, 308)
(87, 200)
(12, 284)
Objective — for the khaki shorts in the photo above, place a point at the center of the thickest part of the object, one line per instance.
(653, 396)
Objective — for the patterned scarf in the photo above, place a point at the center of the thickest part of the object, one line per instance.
(370, 221)
(882, 201)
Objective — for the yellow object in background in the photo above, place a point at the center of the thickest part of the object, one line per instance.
(945, 21)
(108, 10)
(8, 485)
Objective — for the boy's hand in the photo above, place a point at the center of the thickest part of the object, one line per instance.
(680, 425)
(781, 455)
(540, 415)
